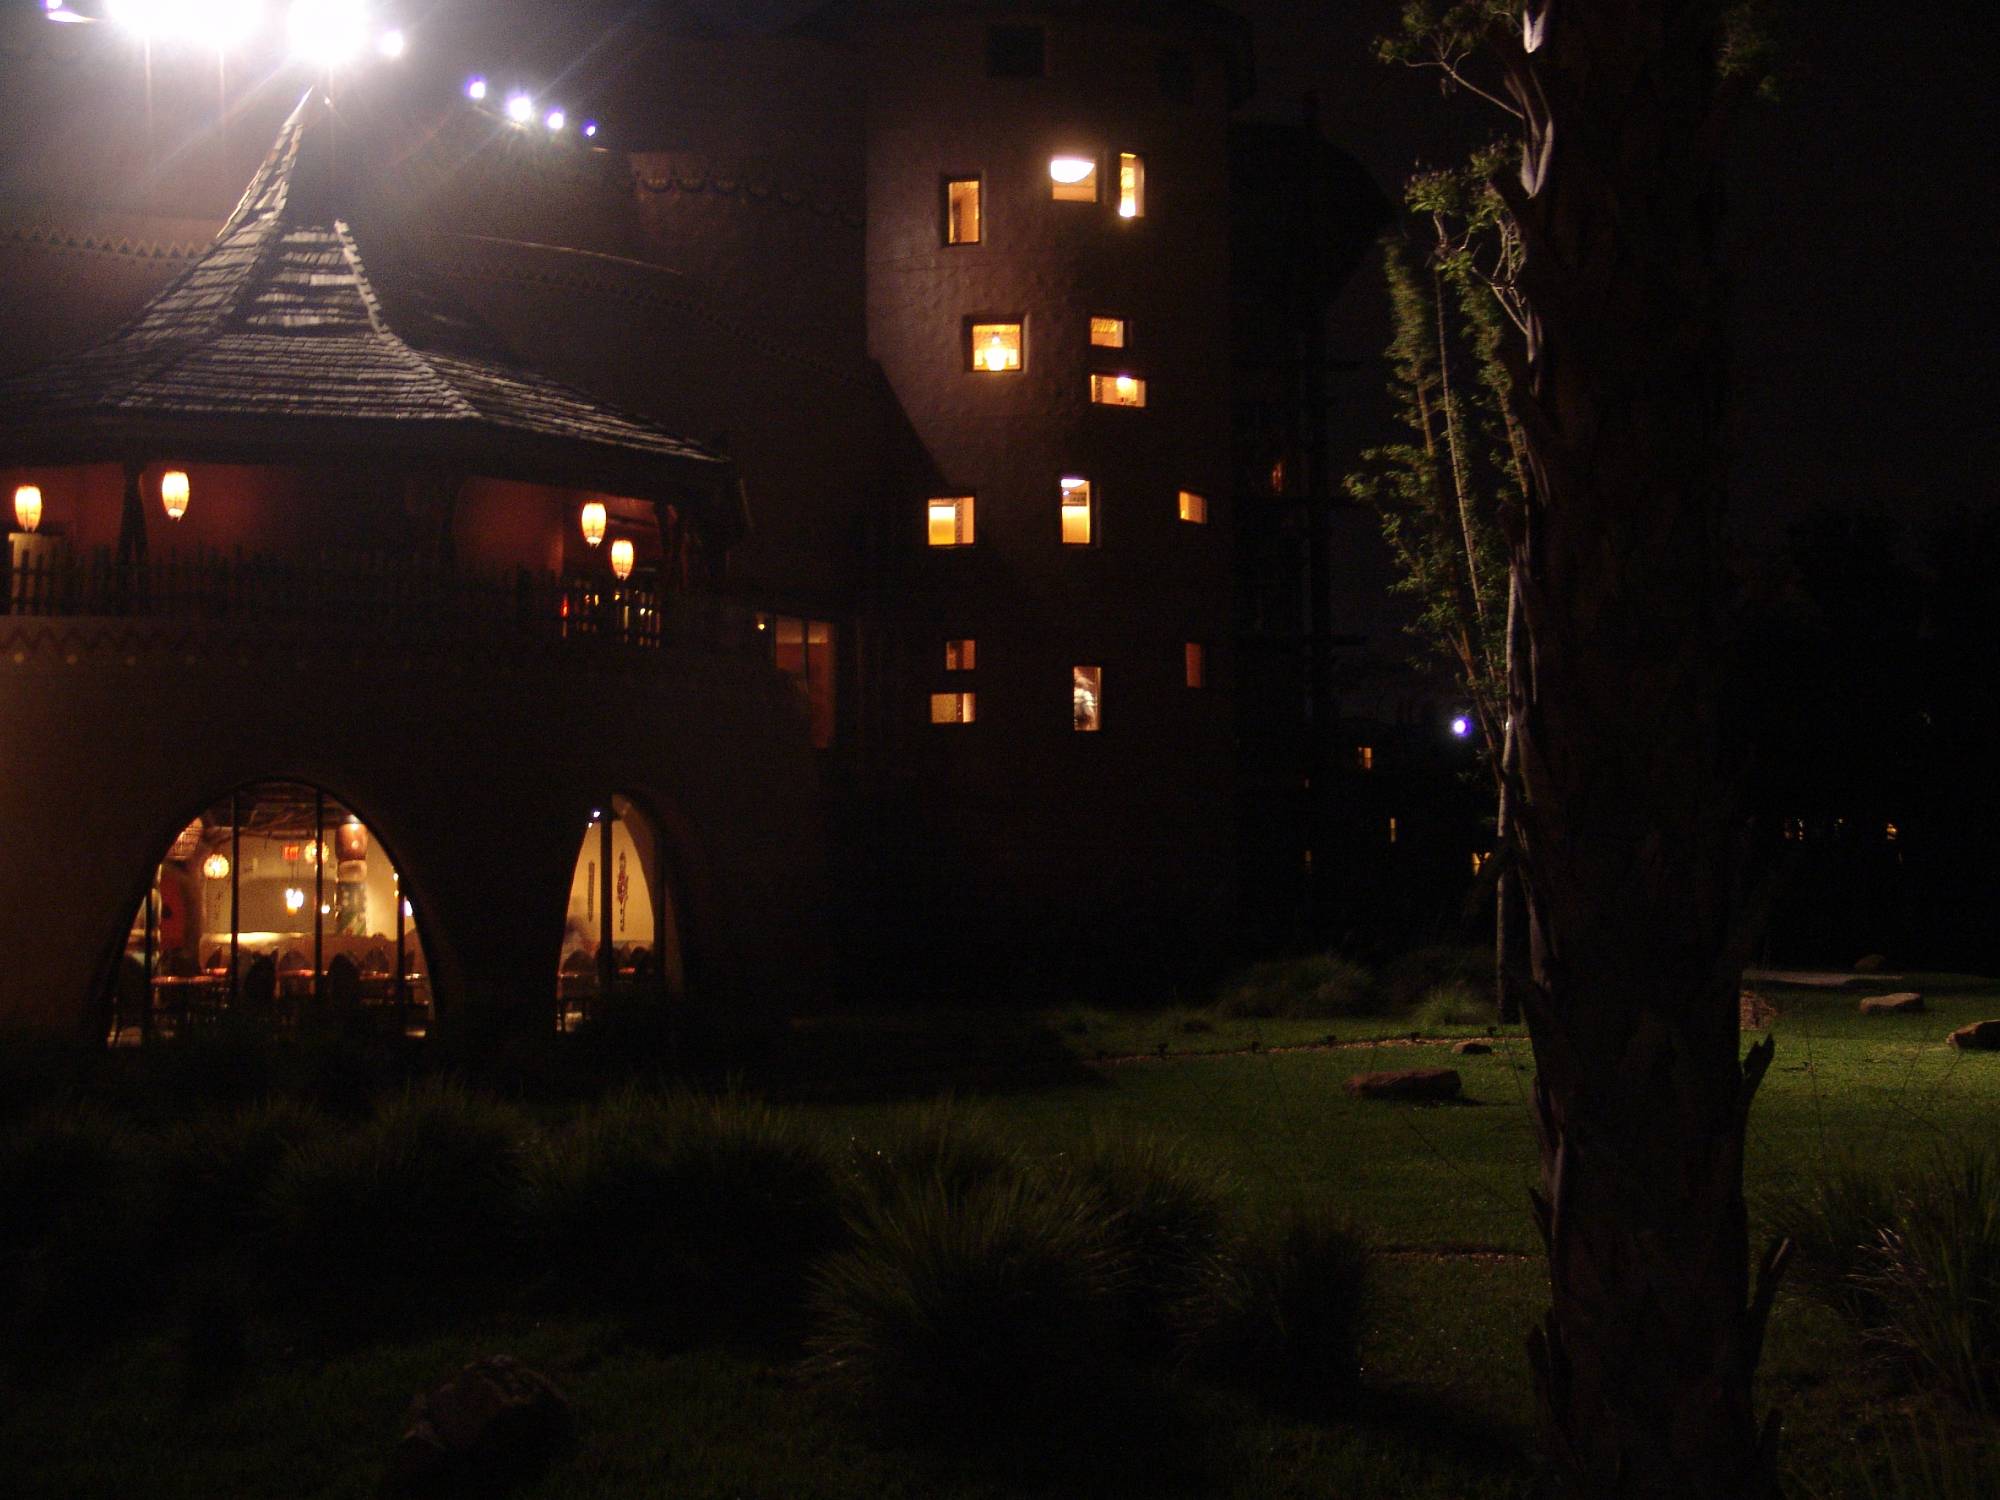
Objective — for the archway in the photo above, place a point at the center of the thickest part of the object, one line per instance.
(277, 903)
(621, 934)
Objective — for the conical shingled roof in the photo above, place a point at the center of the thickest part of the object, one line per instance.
(279, 338)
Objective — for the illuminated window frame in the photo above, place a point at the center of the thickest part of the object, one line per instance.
(961, 655)
(954, 708)
(1194, 656)
(953, 199)
(1077, 511)
(1086, 699)
(1107, 332)
(1131, 185)
(1193, 507)
(949, 520)
(980, 334)
(1117, 389)
(1071, 187)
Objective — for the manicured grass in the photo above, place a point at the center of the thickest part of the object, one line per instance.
(1441, 1191)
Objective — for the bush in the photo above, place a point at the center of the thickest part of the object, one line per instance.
(415, 1204)
(958, 1314)
(686, 1201)
(1284, 1311)
(74, 1232)
(1320, 984)
(941, 1144)
(1833, 1220)
(1455, 1004)
(216, 1173)
(1407, 980)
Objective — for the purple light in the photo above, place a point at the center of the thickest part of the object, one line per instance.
(1461, 726)
(589, 128)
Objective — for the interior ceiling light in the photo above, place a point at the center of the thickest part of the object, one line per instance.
(1071, 168)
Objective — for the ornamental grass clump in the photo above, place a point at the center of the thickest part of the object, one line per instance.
(416, 1205)
(942, 1144)
(1319, 984)
(684, 1201)
(216, 1171)
(1455, 1003)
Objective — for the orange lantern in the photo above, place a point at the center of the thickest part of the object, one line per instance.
(593, 519)
(174, 493)
(28, 506)
(621, 559)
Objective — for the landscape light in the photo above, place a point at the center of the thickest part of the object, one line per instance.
(28, 506)
(475, 88)
(1071, 168)
(556, 120)
(1461, 726)
(520, 109)
(589, 128)
(214, 24)
(328, 33)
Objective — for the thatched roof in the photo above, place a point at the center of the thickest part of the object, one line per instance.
(284, 341)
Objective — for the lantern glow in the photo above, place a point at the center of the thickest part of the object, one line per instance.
(592, 521)
(174, 492)
(295, 899)
(621, 558)
(28, 506)
(216, 867)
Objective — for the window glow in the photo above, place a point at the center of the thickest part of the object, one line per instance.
(1076, 512)
(952, 708)
(28, 506)
(1131, 186)
(951, 521)
(1197, 664)
(961, 656)
(961, 211)
(1108, 333)
(1086, 694)
(996, 347)
(1117, 390)
(520, 109)
(1364, 757)
(1073, 179)
(1194, 508)
(328, 33)
(804, 650)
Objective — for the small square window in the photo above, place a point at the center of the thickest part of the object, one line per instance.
(1078, 520)
(961, 211)
(1197, 664)
(961, 656)
(1086, 699)
(1364, 757)
(1117, 390)
(1108, 333)
(1131, 186)
(950, 520)
(1073, 179)
(1194, 508)
(952, 708)
(994, 348)
(1016, 51)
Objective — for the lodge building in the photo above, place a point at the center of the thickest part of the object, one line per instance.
(788, 539)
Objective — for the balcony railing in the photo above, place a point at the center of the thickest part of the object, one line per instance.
(352, 596)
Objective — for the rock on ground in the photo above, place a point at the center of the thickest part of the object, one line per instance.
(1902, 1003)
(1410, 1083)
(1980, 1036)
(494, 1424)
(1472, 1048)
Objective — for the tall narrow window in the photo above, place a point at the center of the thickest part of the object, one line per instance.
(1086, 694)
(1194, 508)
(1197, 664)
(1073, 179)
(952, 708)
(1077, 519)
(804, 651)
(950, 520)
(1117, 390)
(961, 211)
(993, 348)
(1364, 757)
(1131, 186)
(1108, 333)
(961, 656)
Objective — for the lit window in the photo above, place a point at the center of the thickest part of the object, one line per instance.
(1015, 51)
(961, 656)
(1479, 862)
(1194, 508)
(1117, 390)
(1076, 512)
(961, 211)
(1891, 832)
(804, 651)
(994, 348)
(1086, 699)
(1108, 333)
(1197, 665)
(1392, 830)
(1364, 757)
(950, 520)
(1073, 179)
(951, 708)
(1131, 186)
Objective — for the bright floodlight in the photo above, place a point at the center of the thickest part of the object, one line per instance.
(556, 120)
(475, 88)
(327, 33)
(1071, 168)
(391, 44)
(213, 24)
(520, 109)
(1461, 726)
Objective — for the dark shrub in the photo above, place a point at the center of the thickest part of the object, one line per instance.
(941, 1144)
(1320, 984)
(1283, 1312)
(687, 1201)
(1456, 1003)
(410, 1207)
(76, 1207)
(973, 1315)
(217, 1171)
(1834, 1219)
(1408, 979)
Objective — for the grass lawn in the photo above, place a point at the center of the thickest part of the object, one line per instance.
(1440, 1190)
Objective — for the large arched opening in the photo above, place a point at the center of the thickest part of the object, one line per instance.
(278, 904)
(621, 932)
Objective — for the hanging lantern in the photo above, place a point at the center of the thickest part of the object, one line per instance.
(216, 867)
(28, 506)
(295, 899)
(593, 522)
(174, 493)
(621, 559)
(350, 841)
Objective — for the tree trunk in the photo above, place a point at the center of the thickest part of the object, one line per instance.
(1625, 837)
